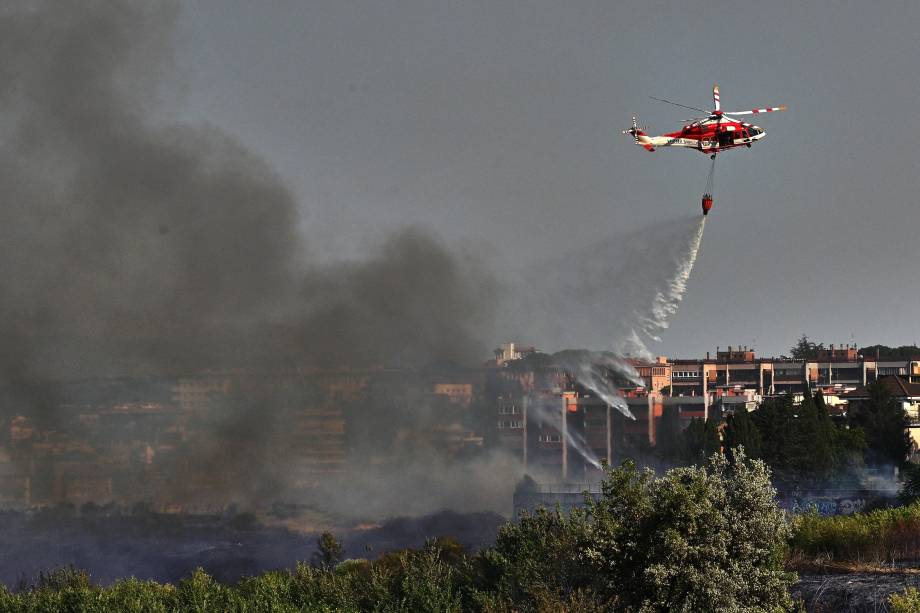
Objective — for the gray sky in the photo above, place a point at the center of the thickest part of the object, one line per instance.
(496, 124)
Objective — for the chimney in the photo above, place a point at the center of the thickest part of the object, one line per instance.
(707, 353)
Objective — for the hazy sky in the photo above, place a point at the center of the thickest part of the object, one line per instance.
(497, 124)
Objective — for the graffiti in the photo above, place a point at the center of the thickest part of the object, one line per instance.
(822, 504)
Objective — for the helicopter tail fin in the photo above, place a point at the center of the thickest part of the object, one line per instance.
(640, 137)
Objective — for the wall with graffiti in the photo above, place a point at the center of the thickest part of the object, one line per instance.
(835, 502)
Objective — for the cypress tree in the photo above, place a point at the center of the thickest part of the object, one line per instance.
(741, 431)
(884, 422)
(702, 440)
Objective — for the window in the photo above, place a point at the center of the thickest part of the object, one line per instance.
(550, 438)
(510, 425)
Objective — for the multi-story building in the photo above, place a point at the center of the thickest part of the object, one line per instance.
(558, 428)
(737, 371)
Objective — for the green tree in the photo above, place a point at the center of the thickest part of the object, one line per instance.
(537, 559)
(910, 487)
(804, 349)
(802, 442)
(697, 539)
(904, 352)
(741, 431)
(701, 440)
(670, 445)
(328, 551)
(701, 538)
(812, 452)
(771, 420)
(884, 423)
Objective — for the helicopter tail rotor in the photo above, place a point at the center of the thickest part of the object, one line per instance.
(639, 135)
(635, 130)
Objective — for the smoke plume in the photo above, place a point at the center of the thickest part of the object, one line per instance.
(137, 245)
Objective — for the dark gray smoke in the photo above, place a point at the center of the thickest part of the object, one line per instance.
(134, 245)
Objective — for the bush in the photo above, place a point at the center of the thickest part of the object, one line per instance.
(882, 535)
(200, 593)
(537, 560)
(696, 539)
(907, 602)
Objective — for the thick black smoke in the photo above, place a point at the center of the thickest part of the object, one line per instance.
(130, 244)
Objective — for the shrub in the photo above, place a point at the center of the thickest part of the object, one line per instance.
(200, 593)
(882, 535)
(906, 602)
(696, 539)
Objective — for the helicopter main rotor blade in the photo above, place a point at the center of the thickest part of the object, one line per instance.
(692, 108)
(771, 109)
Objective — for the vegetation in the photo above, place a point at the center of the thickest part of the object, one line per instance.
(904, 352)
(702, 538)
(805, 349)
(884, 535)
(906, 602)
(701, 440)
(801, 443)
(328, 551)
(884, 424)
(741, 431)
(910, 488)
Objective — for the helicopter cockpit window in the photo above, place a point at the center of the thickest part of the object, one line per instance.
(753, 131)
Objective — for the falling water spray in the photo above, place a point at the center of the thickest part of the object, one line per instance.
(669, 295)
(545, 411)
(619, 294)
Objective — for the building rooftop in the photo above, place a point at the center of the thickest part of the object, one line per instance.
(899, 387)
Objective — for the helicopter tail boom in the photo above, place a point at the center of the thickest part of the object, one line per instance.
(640, 136)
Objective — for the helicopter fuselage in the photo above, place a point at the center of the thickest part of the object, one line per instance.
(710, 136)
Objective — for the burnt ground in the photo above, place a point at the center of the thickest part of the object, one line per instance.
(852, 592)
(167, 548)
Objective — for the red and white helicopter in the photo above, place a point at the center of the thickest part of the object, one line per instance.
(717, 131)
(712, 134)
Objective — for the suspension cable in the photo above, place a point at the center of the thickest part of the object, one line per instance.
(711, 181)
